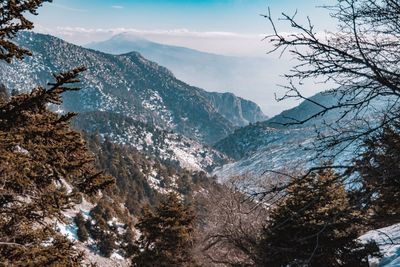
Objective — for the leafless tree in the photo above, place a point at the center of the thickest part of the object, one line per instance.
(361, 58)
(232, 227)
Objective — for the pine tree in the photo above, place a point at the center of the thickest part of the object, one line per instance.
(166, 235)
(379, 167)
(315, 226)
(4, 96)
(39, 155)
(101, 230)
(12, 20)
(44, 165)
(82, 231)
(107, 244)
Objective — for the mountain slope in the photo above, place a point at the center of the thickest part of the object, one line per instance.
(237, 110)
(273, 145)
(195, 67)
(105, 230)
(259, 148)
(247, 140)
(246, 77)
(127, 84)
(168, 147)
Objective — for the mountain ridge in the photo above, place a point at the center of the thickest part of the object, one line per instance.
(278, 143)
(247, 111)
(247, 77)
(128, 84)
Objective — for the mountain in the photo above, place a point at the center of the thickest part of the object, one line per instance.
(274, 145)
(168, 147)
(144, 97)
(250, 77)
(259, 148)
(127, 110)
(127, 84)
(305, 110)
(255, 137)
(239, 111)
(202, 69)
(131, 85)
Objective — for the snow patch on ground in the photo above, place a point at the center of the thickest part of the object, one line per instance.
(388, 239)
(166, 145)
(116, 260)
(68, 230)
(187, 160)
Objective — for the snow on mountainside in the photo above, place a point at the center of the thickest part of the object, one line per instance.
(142, 92)
(139, 179)
(271, 145)
(197, 68)
(247, 77)
(127, 84)
(164, 145)
(69, 229)
(258, 148)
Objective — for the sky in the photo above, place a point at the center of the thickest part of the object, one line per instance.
(175, 21)
(228, 27)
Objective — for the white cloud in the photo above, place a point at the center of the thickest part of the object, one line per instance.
(172, 32)
(228, 43)
(219, 42)
(117, 7)
(68, 8)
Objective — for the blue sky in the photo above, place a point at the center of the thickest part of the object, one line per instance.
(233, 16)
(201, 15)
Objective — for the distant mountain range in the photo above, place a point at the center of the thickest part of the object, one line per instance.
(131, 86)
(141, 92)
(253, 78)
(132, 100)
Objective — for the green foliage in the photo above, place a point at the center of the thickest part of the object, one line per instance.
(39, 155)
(82, 232)
(100, 230)
(166, 235)
(4, 96)
(110, 226)
(107, 244)
(129, 167)
(12, 20)
(379, 167)
(315, 226)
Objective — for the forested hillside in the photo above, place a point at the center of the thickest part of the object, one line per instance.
(108, 160)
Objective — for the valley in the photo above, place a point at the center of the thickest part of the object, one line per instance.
(157, 134)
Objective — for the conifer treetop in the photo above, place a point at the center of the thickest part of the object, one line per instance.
(12, 21)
